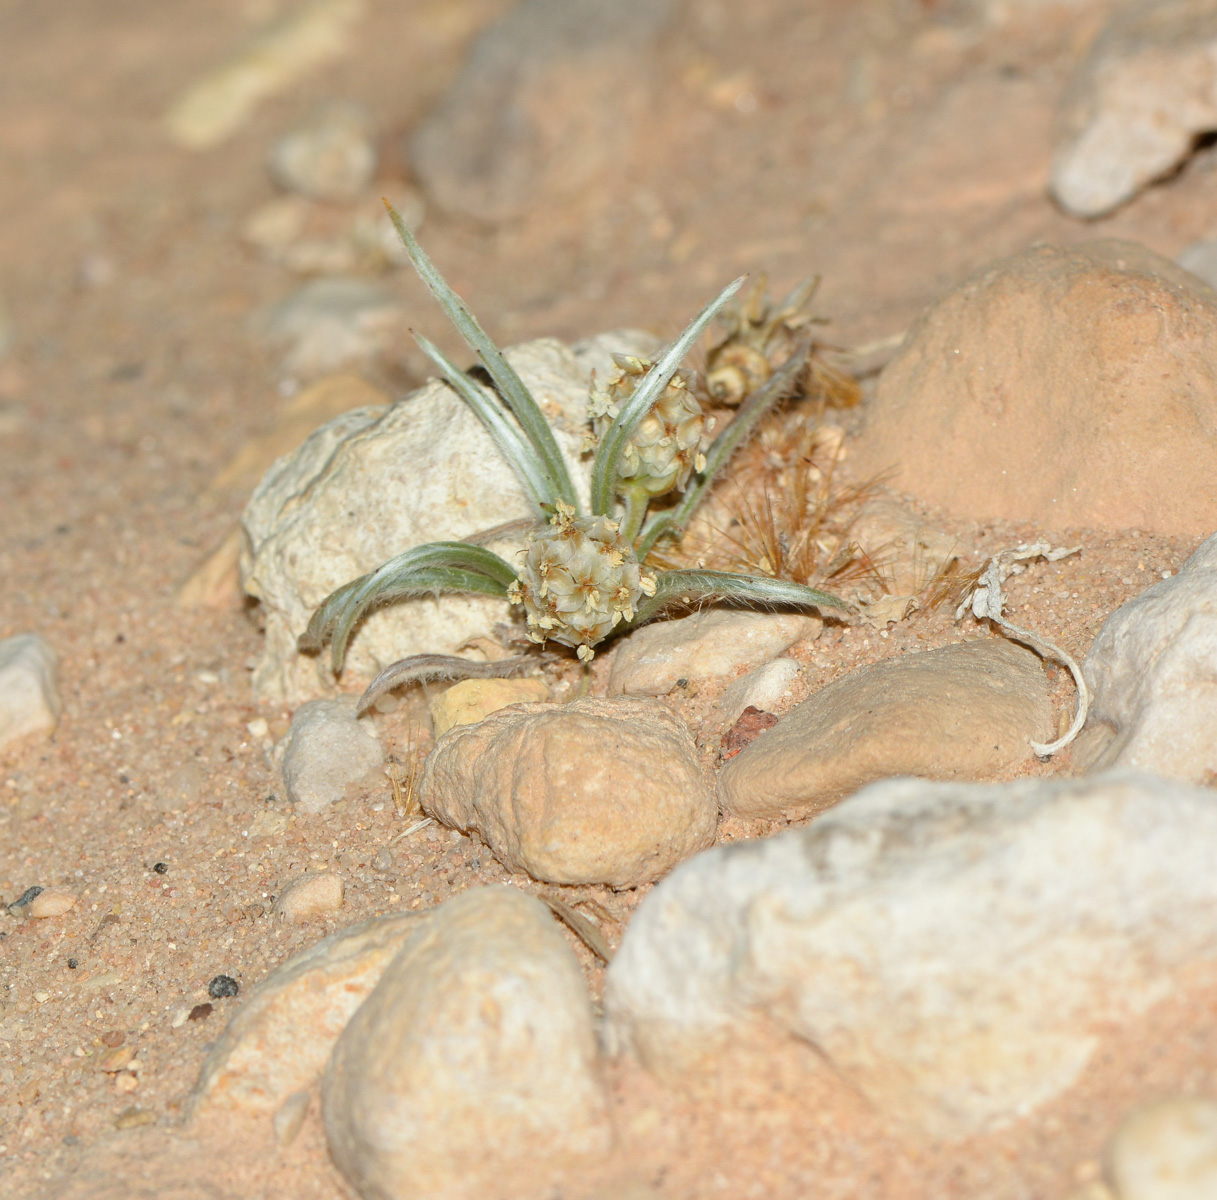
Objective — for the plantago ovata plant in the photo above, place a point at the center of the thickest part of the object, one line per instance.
(582, 575)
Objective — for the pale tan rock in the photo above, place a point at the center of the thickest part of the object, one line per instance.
(967, 711)
(29, 687)
(907, 550)
(472, 1070)
(712, 642)
(214, 107)
(1152, 673)
(1067, 387)
(548, 102)
(51, 902)
(1166, 1150)
(216, 581)
(312, 895)
(278, 1041)
(596, 791)
(473, 700)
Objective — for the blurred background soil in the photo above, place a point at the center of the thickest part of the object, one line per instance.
(891, 146)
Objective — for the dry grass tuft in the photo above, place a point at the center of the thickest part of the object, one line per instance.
(783, 513)
(404, 777)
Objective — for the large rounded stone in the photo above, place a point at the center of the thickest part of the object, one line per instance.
(1068, 387)
(968, 711)
(472, 1070)
(953, 951)
(597, 791)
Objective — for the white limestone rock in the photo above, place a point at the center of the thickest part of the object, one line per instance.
(764, 687)
(1166, 1150)
(952, 950)
(1152, 671)
(328, 747)
(375, 483)
(1134, 108)
(29, 687)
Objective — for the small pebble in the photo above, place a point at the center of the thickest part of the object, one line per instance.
(331, 323)
(160, 868)
(125, 1082)
(50, 902)
(200, 1012)
(116, 1059)
(330, 157)
(310, 896)
(113, 1037)
(18, 906)
(383, 860)
(133, 1118)
(223, 986)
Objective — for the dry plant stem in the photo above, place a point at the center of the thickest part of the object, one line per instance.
(987, 601)
(1048, 650)
(580, 926)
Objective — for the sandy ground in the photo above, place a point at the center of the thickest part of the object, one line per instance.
(891, 147)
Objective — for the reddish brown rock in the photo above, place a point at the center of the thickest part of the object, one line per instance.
(1069, 387)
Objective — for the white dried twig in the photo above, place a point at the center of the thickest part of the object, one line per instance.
(987, 601)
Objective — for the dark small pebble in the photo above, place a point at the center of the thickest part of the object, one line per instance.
(160, 868)
(222, 986)
(72, 964)
(24, 899)
(200, 1012)
(71, 1140)
(113, 1037)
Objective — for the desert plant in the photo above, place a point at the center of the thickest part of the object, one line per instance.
(583, 574)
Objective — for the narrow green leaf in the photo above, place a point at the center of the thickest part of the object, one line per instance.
(433, 567)
(518, 453)
(511, 386)
(696, 584)
(724, 446)
(606, 466)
